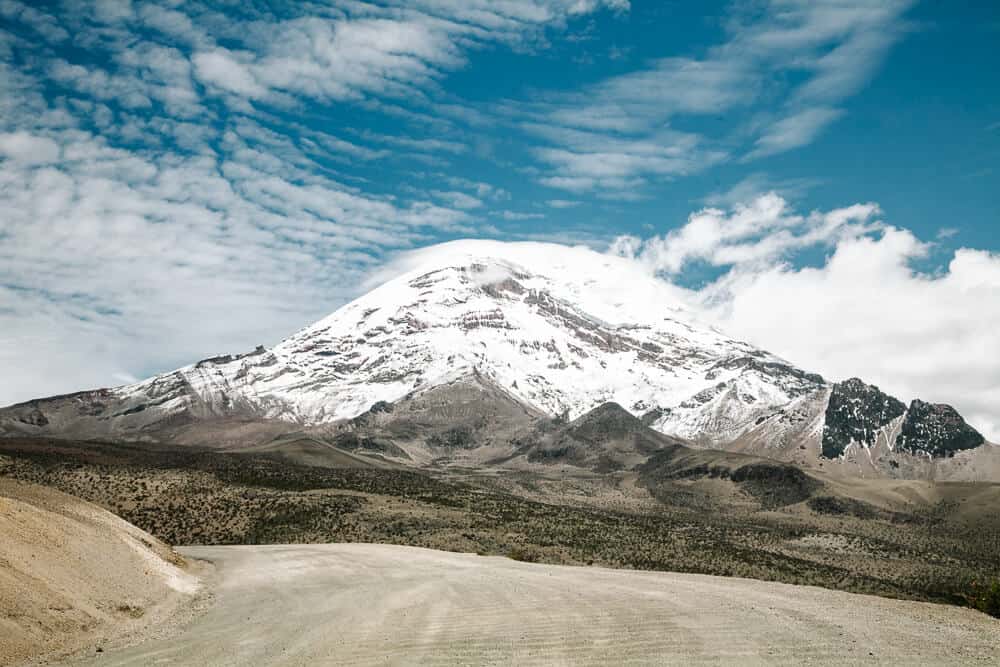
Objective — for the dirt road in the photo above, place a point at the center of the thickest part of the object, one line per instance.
(375, 604)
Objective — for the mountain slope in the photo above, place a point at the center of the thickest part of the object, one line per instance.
(560, 330)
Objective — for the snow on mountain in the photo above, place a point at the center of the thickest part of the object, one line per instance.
(561, 329)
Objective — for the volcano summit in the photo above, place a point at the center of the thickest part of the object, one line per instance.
(557, 330)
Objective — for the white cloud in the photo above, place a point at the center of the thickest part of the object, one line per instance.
(753, 185)
(27, 149)
(865, 311)
(459, 200)
(223, 69)
(44, 24)
(112, 11)
(793, 131)
(418, 145)
(763, 231)
(591, 160)
(562, 203)
(518, 215)
(172, 23)
(136, 248)
(367, 50)
(639, 100)
(482, 190)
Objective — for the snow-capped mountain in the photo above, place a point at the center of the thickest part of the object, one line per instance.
(560, 329)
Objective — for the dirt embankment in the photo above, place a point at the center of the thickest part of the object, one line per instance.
(74, 576)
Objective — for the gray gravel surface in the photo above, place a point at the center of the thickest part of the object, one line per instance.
(343, 604)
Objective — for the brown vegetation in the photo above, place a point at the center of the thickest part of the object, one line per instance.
(187, 496)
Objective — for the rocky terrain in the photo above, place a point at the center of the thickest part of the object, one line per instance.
(557, 331)
(857, 413)
(684, 509)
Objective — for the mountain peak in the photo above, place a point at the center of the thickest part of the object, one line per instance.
(612, 288)
(559, 329)
(936, 429)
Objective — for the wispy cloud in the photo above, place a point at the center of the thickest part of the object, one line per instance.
(616, 135)
(586, 160)
(562, 203)
(755, 184)
(797, 129)
(520, 215)
(458, 200)
(163, 164)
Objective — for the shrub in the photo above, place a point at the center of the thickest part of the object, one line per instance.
(522, 554)
(986, 597)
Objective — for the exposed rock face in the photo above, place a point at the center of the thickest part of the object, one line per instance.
(936, 430)
(858, 413)
(33, 417)
(773, 369)
(855, 414)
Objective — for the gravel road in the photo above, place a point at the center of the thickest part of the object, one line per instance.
(342, 604)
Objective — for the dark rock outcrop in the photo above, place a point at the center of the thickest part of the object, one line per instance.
(856, 412)
(937, 430)
(33, 417)
(775, 484)
(768, 368)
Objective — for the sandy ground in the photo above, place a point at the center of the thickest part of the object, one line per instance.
(376, 604)
(74, 576)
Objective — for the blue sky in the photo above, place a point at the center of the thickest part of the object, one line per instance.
(180, 179)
